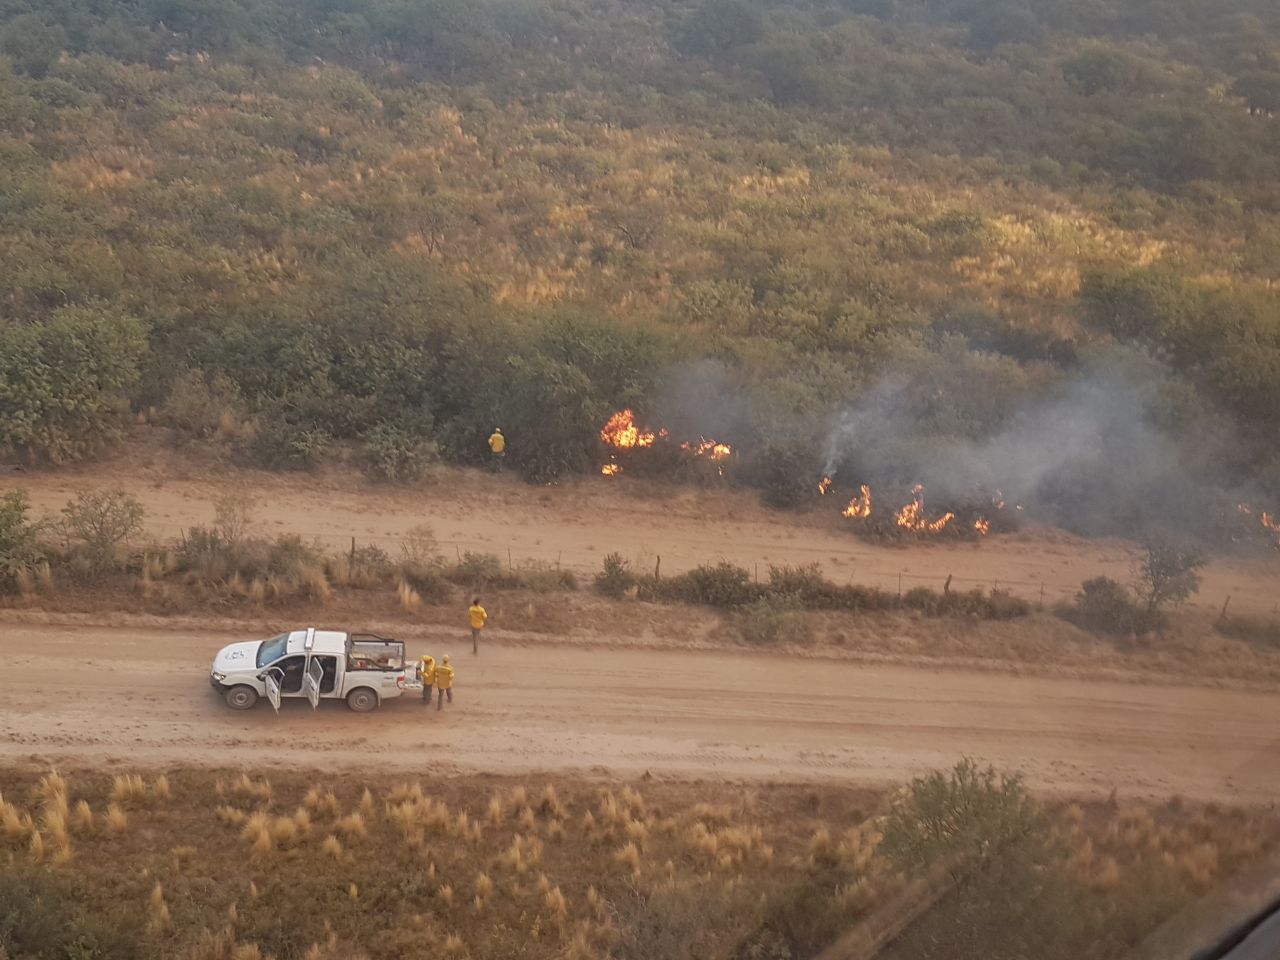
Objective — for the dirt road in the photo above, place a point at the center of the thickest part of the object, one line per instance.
(577, 523)
(101, 696)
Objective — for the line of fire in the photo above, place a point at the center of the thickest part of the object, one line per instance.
(885, 515)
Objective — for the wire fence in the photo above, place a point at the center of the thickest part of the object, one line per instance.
(586, 560)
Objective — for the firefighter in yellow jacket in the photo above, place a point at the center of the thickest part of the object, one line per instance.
(497, 448)
(479, 617)
(427, 670)
(444, 681)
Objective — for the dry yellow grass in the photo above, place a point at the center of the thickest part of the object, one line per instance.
(285, 831)
(16, 823)
(263, 845)
(158, 918)
(248, 789)
(128, 788)
(352, 826)
(52, 786)
(162, 788)
(116, 819)
(705, 864)
(332, 847)
(82, 819)
(410, 600)
(321, 803)
(629, 854)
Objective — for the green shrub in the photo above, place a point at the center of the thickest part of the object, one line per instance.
(278, 444)
(717, 585)
(394, 455)
(204, 552)
(1003, 605)
(65, 382)
(476, 569)
(968, 811)
(372, 559)
(41, 916)
(615, 577)
(1263, 631)
(289, 554)
(429, 580)
(18, 549)
(774, 620)
(803, 581)
(1104, 605)
(100, 522)
(1170, 574)
(542, 577)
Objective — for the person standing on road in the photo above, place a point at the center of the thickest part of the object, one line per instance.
(427, 670)
(444, 681)
(479, 616)
(497, 448)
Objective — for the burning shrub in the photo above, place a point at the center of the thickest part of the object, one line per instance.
(615, 577)
(1107, 606)
(773, 620)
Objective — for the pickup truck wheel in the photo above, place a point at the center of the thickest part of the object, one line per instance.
(241, 697)
(362, 700)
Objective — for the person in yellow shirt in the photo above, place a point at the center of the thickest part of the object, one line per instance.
(479, 616)
(444, 681)
(497, 448)
(427, 670)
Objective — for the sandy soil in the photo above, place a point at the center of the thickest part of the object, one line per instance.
(578, 522)
(100, 696)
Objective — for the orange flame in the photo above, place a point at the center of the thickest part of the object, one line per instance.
(1267, 519)
(911, 517)
(824, 486)
(709, 449)
(860, 506)
(621, 432)
(611, 470)
(982, 525)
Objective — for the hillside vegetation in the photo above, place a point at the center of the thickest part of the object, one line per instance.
(383, 228)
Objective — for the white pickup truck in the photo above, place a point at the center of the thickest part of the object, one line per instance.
(360, 668)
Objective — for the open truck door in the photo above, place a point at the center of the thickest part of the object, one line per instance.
(311, 681)
(272, 681)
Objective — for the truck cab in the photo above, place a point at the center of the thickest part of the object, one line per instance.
(361, 668)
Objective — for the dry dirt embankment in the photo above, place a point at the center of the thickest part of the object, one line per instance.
(78, 695)
(577, 523)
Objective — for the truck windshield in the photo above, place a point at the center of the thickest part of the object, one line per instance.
(273, 649)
